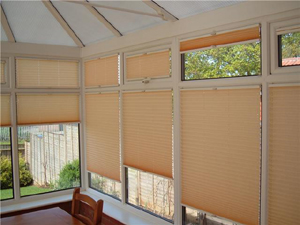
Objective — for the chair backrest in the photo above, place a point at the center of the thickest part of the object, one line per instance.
(86, 209)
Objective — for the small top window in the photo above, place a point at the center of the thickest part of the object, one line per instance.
(231, 54)
(148, 65)
(3, 72)
(289, 47)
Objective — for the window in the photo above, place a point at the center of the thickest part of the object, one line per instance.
(148, 65)
(103, 71)
(3, 72)
(220, 152)
(231, 54)
(289, 49)
(45, 73)
(195, 217)
(154, 194)
(48, 157)
(105, 185)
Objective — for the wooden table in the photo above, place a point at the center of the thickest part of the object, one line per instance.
(53, 216)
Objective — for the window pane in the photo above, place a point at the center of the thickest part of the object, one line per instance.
(105, 185)
(151, 193)
(195, 217)
(50, 158)
(229, 61)
(6, 177)
(290, 49)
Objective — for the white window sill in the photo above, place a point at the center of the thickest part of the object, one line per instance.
(122, 212)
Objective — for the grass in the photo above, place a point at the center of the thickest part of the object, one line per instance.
(30, 190)
(8, 142)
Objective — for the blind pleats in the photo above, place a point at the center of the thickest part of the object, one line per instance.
(5, 111)
(284, 156)
(103, 71)
(148, 65)
(41, 73)
(2, 75)
(102, 134)
(147, 131)
(47, 108)
(220, 152)
(221, 39)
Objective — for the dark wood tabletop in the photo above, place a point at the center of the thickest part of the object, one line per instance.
(53, 216)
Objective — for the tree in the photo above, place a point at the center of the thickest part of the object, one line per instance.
(229, 61)
(69, 176)
(290, 44)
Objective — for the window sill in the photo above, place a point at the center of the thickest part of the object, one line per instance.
(113, 208)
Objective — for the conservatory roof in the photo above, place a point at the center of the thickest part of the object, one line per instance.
(80, 23)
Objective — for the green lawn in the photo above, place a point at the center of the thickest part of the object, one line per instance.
(30, 190)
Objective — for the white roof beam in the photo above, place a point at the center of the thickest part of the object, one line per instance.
(62, 22)
(160, 11)
(6, 27)
(103, 20)
(112, 8)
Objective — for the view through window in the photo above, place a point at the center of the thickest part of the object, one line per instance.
(289, 49)
(6, 177)
(48, 157)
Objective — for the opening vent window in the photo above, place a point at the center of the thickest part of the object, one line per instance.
(231, 54)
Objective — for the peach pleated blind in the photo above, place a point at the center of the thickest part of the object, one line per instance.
(47, 108)
(148, 65)
(220, 152)
(102, 134)
(43, 73)
(284, 156)
(221, 39)
(2, 75)
(5, 111)
(102, 72)
(147, 131)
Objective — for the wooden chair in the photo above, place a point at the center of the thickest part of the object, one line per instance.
(86, 209)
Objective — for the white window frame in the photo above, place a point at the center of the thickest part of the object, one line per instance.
(274, 55)
(6, 72)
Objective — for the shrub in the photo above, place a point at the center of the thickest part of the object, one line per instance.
(6, 173)
(69, 176)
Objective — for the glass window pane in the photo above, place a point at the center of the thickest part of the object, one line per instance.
(290, 49)
(105, 185)
(229, 61)
(151, 193)
(6, 176)
(49, 158)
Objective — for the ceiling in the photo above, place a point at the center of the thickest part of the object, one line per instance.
(80, 24)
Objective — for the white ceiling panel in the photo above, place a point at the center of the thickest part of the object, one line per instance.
(182, 9)
(3, 35)
(86, 26)
(31, 22)
(128, 22)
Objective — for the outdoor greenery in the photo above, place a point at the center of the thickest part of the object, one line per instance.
(229, 61)
(69, 176)
(290, 44)
(6, 173)
(30, 190)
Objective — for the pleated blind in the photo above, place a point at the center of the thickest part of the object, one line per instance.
(220, 152)
(2, 75)
(47, 108)
(102, 72)
(147, 131)
(149, 65)
(102, 134)
(5, 111)
(221, 39)
(43, 73)
(284, 156)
